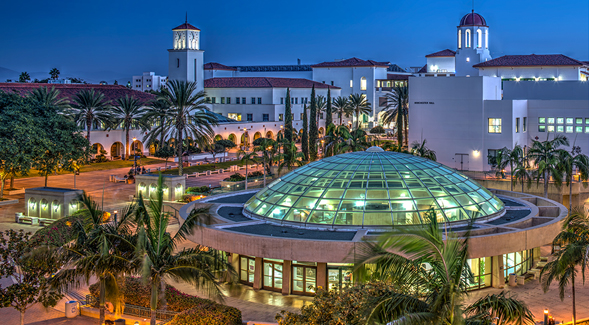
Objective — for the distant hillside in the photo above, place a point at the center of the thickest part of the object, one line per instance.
(8, 74)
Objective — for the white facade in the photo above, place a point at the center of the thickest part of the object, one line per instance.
(148, 81)
(535, 73)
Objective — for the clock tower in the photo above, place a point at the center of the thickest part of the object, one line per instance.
(186, 59)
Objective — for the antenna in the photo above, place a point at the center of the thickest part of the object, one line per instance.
(187, 17)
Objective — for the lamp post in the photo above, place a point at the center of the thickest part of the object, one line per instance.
(323, 148)
(115, 212)
(134, 157)
(545, 316)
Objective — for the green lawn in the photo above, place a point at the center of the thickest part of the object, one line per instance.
(101, 166)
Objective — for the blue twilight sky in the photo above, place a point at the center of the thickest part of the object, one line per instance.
(107, 40)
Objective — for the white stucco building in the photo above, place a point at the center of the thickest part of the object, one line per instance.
(148, 81)
(468, 105)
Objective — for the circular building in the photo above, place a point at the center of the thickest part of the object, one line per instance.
(305, 229)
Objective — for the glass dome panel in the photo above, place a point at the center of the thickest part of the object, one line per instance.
(373, 188)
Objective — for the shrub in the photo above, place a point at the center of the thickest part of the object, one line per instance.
(133, 290)
(377, 130)
(237, 177)
(189, 198)
(198, 189)
(59, 232)
(257, 173)
(211, 315)
(179, 301)
(100, 158)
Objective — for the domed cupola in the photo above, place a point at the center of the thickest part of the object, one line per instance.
(473, 19)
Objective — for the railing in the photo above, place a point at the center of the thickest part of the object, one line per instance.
(136, 311)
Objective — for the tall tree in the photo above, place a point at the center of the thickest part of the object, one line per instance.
(328, 109)
(266, 149)
(359, 105)
(397, 110)
(291, 157)
(342, 107)
(158, 110)
(569, 161)
(335, 139)
(321, 104)
(247, 158)
(287, 117)
(421, 150)
(91, 107)
(54, 73)
(189, 115)
(313, 131)
(305, 136)
(24, 77)
(506, 157)
(50, 98)
(545, 156)
(161, 258)
(30, 267)
(128, 113)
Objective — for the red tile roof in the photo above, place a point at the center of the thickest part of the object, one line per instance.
(218, 66)
(353, 62)
(392, 76)
(423, 69)
(530, 60)
(111, 92)
(472, 19)
(446, 52)
(186, 26)
(264, 82)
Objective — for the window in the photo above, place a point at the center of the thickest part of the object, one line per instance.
(459, 39)
(272, 275)
(281, 100)
(214, 100)
(467, 38)
(482, 273)
(323, 81)
(237, 100)
(494, 125)
(578, 129)
(569, 129)
(559, 120)
(222, 100)
(253, 100)
(320, 116)
(296, 100)
(243, 100)
(587, 129)
(479, 38)
(559, 128)
(259, 100)
(247, 269)
(541, 120)
(351, 83)
(228, 100)
(250, 117)
(467, 59)
(578, 120)
(332, 82)
(304, 279)
(587, 121)
(302, 116)
(307, 101)
(281, 117)
(486, 39)
(570, 120)
(363, 83)
(207, 99)
(551, 120)
(541, 128)
(551, 128)
(265, 117)
(525, 127)
(235, 116)
(492, 157)
(292, 100)
(517, 125)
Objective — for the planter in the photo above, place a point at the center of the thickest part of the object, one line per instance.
(7, 202)
(14, 192)
(130, 180)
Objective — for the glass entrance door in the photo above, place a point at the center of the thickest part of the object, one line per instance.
(339, 277)
(247, 268)
(272, 275)
(304, 279)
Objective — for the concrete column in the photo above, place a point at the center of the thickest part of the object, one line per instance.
(286, 277)
(321, 275)
(498, 276)
(234, 261)
(258, 274)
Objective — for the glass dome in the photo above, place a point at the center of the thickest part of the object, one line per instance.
(373, 188)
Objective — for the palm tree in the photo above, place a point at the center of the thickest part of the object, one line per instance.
(128, 113)
(50, 98)
(568, 162)
(291, 157)
(574, 243)
(545, 156)
(397, 110)
(512, 158)
(189, 115)
(359, 105)
(356, 142)
(161, 260)
(335, 138)
(341, 106)
(91, 107)
(247, 158)
(265, 149)
(433, 295)
(523, 174)
(158, 110)
(24, 77)
(420, 150)
(54, 73)
(101, 250)
(321, 105)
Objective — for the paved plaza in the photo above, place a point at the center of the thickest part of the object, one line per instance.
(255, 305)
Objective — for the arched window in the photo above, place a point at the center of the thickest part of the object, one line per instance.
(363, 83)
(467, 38)
(459, 38)
(479, 38)
(486, 39)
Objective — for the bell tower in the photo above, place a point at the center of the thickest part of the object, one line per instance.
(472, 43)
(186, 59)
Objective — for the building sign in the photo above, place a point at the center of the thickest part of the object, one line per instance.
(424, 103)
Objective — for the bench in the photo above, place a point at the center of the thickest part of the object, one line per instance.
(20, 218)
(117, 179)
(195, 174)
(203, 173)
(214, 171)
(45, 221)
(535, 273)
(228, 170)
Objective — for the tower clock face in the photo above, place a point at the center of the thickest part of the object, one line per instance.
(177, 40)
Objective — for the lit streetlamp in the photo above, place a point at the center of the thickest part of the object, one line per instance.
(545, 315)
(135, 157)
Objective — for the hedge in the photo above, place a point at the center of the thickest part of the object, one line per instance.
(212, 315)
(60, 231)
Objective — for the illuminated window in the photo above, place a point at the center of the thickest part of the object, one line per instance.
(559, 128)
(222, 100)
(551, 120)
(479, 38)
(378, 83)
(524, 125)
(560, 120)
(467, 59)
(541, 128)
(578, 129)
(569, 129)
(467, 38)
(459, 38)
(486, 39)
(351, 83)
(280, 117)
(570, 120)
(517, 125)
(587, 121)
(587, 129)
(234, 116)
(541, 120)
(551, 128)
(578, 120)
(494, 125)
(363, 83)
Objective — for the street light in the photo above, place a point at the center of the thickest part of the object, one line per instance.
(134, 158)
(115, 217)
(545, 315)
